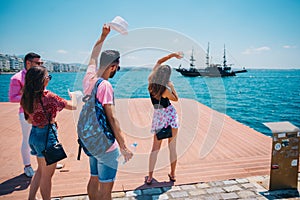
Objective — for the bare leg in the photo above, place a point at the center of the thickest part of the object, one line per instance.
(153, 156)
(93, 187)
(173, 152)
(46, 178)
(35, 181)
(105, 191)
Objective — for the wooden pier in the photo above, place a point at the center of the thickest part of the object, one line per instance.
(210, 146)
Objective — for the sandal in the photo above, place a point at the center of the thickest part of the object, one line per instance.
(172, 178)
(148, 182)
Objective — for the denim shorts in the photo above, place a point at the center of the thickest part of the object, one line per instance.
(105, 166)
(37, 139)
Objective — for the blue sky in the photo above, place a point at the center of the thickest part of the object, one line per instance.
(257, 33)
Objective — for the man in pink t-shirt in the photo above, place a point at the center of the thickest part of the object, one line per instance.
(15, 93)
(103, 168)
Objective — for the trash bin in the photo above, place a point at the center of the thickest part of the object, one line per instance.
(285, 155)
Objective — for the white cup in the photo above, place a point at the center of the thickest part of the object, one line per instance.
(75, 95)
(76, 98)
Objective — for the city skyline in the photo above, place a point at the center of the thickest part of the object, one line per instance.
(257, 34)
(14, 63)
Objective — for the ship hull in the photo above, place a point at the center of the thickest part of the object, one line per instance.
(189, 73)
(195, 73)
(209, 74)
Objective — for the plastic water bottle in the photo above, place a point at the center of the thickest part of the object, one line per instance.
(132, 148)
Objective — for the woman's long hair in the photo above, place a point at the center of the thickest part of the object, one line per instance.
(158, 80)
(33, 88)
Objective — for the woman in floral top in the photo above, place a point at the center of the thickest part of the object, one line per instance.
(34, 100)
(161, 91)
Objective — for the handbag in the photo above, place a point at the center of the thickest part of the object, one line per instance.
(56, 152)
(165, 132)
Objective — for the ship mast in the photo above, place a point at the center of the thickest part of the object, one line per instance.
(192, 59)
(224, 57)
(207, 56)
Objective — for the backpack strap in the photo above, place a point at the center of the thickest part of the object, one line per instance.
(94, 91)
(85, 99)
(79, 149)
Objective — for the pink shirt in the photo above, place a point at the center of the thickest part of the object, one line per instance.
(105, 92)
(15, 87)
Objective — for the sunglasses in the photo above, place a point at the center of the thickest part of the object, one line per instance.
(36, 62)
(49, 77)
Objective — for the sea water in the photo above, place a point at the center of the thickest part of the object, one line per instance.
(251, 98)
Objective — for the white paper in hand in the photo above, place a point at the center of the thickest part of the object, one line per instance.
(119, 24)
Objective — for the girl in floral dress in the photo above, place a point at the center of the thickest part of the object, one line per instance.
(161, 91)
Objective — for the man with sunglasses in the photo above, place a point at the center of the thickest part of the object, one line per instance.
(103, 168)
(15, 94)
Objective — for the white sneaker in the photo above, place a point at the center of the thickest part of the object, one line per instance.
(59, 166)
(28, 171)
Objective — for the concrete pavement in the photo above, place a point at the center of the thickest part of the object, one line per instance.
(243, 188)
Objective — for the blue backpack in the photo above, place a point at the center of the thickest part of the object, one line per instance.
(94, 132)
